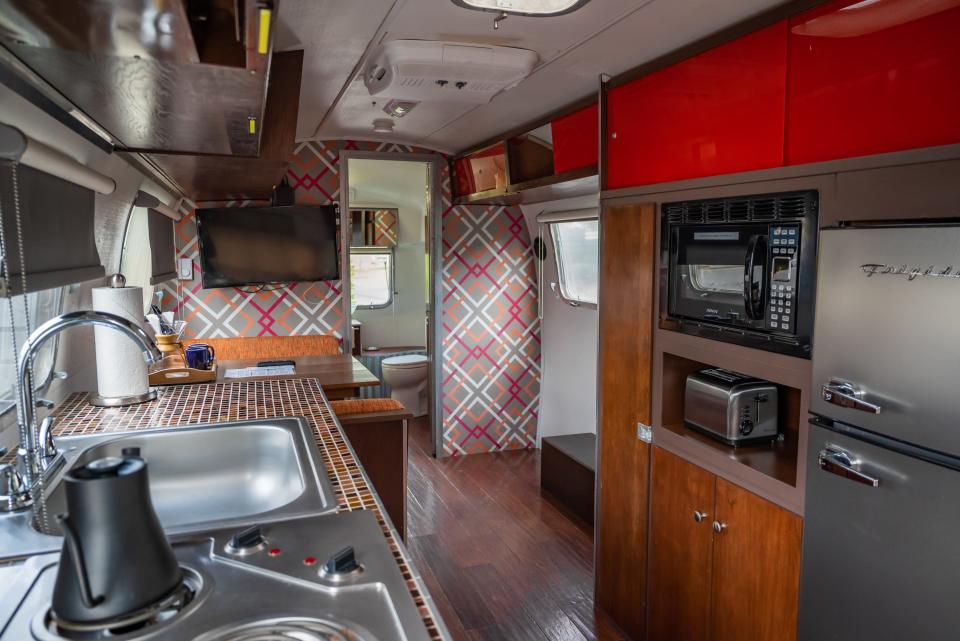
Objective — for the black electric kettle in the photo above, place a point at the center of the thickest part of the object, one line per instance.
(116, 559)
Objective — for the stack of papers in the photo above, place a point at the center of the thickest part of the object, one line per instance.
(251, 372)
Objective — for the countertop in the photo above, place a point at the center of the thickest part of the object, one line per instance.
(183, 405)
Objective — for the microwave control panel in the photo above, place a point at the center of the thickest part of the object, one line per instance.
(782, 300)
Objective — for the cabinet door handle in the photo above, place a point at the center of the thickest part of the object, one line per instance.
(839, 462)
(847, 394)
(699, 516)
(719, 527)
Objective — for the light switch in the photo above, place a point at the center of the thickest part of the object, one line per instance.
(186, 269)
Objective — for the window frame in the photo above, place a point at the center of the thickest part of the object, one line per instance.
(560, 289)
(391, 282)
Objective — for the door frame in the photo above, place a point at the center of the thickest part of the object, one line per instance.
(435, 162)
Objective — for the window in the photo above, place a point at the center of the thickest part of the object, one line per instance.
(371, 276)
(43, 306)
(135, 260)
(576, 243)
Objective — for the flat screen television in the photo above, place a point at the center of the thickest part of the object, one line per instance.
(260, 245)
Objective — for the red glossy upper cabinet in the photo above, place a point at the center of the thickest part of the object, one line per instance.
(481, 171)
(719, 112)
(575, 140)
(869, 77)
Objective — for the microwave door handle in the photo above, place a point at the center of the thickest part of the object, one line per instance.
(754, 307)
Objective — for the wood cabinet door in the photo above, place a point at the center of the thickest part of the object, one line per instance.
(756, 568)
(681, 540)
(627, 252)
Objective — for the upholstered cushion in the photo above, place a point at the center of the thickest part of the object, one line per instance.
(365, 406)
(271, 347)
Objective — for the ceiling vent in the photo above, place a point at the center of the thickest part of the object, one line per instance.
(425, 70)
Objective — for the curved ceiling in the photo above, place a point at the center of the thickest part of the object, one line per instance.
(604, 37)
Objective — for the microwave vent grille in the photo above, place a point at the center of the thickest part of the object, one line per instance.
(764, 209)
(768, 207)
(674, 213)
(738, 210)
(715, 212)
(793, 206)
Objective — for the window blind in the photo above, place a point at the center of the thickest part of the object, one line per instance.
(57, 221)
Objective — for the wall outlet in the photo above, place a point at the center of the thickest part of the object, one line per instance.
(185, 269)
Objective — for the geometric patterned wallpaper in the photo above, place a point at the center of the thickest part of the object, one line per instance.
(491, 346)
(490, 352)
(386, 228)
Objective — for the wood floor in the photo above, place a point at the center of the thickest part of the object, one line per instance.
(501, 561)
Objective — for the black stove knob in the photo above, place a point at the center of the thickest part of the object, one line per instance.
(746, 426)
(343, 562)
(247, 541)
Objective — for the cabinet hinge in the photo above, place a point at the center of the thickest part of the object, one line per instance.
(644, 433)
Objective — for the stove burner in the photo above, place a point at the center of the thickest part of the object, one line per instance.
(48, 627)
(290, 629)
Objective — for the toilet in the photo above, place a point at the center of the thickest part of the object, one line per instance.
(407, 377)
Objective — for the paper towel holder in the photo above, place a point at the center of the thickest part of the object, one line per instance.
(119, 280)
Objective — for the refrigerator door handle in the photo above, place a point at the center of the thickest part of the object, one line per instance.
(847, 394)
(837, 461)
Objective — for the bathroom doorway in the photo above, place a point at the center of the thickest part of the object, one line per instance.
(389, 227)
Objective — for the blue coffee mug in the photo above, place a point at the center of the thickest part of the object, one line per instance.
(200, 356)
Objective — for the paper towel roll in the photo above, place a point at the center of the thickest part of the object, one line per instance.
(121, 370)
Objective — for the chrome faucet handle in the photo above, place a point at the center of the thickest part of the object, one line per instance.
(47, 444)
(44, 403)
(13, 494)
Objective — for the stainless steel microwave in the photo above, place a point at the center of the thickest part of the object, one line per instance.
(742, 269)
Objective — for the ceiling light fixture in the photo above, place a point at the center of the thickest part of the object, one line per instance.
(399, 108)
(541, 8)
(383, 126)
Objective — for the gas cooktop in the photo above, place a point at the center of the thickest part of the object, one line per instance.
(330, 578)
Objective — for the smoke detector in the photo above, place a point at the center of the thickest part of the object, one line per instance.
(426, 70)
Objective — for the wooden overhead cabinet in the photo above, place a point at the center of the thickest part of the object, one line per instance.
(725, 564)
(627, 256)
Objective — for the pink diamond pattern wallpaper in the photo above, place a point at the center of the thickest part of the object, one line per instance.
(491, 333)
(386, 228)
(490, 352)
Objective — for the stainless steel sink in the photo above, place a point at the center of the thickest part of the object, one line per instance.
(205, 476)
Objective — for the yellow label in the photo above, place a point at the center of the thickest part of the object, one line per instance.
(253, 125)
(264, 32)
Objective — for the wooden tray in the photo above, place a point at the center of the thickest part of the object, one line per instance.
(172, 370)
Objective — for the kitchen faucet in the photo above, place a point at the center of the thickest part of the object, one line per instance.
(38, 456)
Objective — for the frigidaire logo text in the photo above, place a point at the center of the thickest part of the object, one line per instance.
(912, 273)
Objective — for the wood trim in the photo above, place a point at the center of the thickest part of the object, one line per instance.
(624, 392)
(727, 34)
(381, 447)
(602, 135)
(374, 417)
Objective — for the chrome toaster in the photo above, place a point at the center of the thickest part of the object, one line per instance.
(731, 407)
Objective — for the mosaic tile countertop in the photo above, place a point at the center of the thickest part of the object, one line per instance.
(183, 405)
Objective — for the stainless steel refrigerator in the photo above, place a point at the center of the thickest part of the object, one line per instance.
(881, 550)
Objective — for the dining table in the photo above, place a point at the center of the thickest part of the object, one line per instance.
(340, 375)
